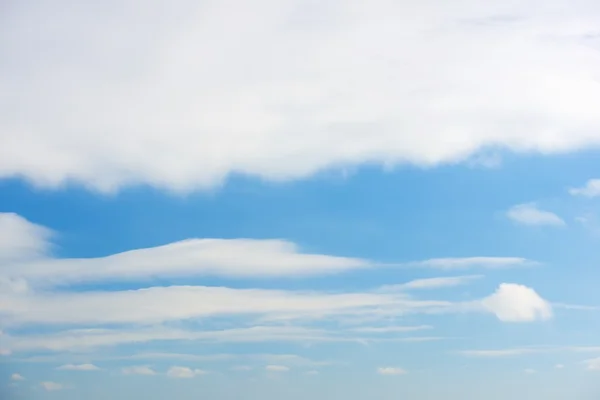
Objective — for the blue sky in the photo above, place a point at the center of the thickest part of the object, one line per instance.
(302, 200)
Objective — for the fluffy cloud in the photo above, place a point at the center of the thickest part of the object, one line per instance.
(184, 372)
(138, 370)
(280, 90)
(51, 386)
(517, 303)
(590, 189)
(78, 367)
(277, 368)
(530, 214)
(391, 371)
(17, 377)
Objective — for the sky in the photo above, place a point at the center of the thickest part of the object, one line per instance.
(299, 199)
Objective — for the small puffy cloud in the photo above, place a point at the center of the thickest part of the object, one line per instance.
(529, 214)
(391, 371)
(590, 189)
(78, 367)
(517, 303)
(51, 386)
(138, 370)
(184, 372)
(529, 371)
(17, 377)
(277, 368)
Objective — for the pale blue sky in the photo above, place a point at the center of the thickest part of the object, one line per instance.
(294, 199)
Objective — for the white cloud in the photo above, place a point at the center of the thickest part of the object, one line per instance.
(277, 368)
(138, 370)
(502, 352)
(590, 189)
(286, 91)
(474, 262)
(21, 239)
(78, 367)
(225, 257)
(391, 329)
(529, 371)
(51, 386)
(391, 371)
(312, 372)
(517, 303)
(530, 214)
(17, 377)
(440, 282)
(85, 339)
(593, 364)
(158, 304)
(184, 372)
(559, 366)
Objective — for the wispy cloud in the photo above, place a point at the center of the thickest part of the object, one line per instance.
(277, 368)
(474, 262)
(391, 371)
(433, 283)
(51, 386)
(590, 189)
(530, 214)
(78, 367)
(184, 372)
(138, 370)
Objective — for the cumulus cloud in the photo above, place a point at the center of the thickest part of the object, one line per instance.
(138, 370)
(17, 377)
(51, 386)
(78, 367)
(279, 90)
(277, 368)
(391, 371)
(590, 189)
(184, 372)
(530, 214)
(517, 303)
